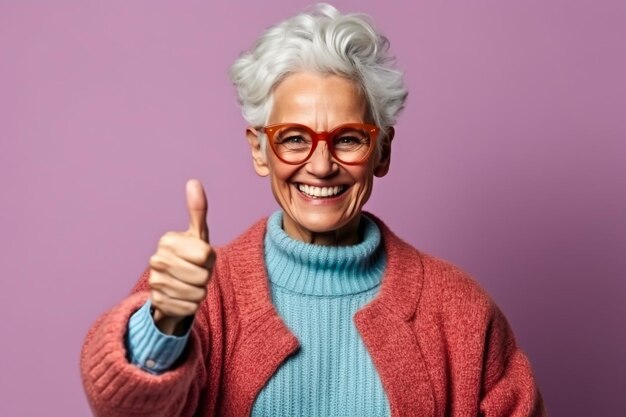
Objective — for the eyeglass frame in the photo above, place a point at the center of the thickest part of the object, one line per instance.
(324, 136)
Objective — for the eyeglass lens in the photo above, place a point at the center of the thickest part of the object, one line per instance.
(350, 144)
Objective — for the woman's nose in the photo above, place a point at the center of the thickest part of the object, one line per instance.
(321, 163)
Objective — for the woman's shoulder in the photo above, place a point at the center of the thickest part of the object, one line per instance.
(452, 284)
(442, 283)
(452, 296)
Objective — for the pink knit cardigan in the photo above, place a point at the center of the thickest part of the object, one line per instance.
(439, 344)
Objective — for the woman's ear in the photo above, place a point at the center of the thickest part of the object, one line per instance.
(259, 160)
(382, 167)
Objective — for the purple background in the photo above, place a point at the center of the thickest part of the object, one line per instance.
(509, 160)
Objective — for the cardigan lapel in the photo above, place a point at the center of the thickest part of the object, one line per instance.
(385, 326)
(264, 339)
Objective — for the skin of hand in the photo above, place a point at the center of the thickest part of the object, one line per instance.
(181, 268)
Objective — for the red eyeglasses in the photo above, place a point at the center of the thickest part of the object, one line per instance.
(350, 143)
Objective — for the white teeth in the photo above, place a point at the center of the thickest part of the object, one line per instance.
(320, 191)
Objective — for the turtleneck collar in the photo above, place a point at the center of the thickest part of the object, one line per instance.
(318, 270)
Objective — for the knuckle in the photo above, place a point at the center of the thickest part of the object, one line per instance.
(163, 303)
(157, 262)
(198, 295)
(190, 309)
(156, 298)
(155, 280)
(168, 240)
(204, 276)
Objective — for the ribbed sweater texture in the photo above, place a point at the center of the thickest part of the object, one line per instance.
(440, 345)
(316, 290)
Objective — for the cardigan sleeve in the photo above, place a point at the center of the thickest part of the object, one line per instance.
(509, 387)
(116, 387)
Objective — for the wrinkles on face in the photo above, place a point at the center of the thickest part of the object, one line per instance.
(321, 102)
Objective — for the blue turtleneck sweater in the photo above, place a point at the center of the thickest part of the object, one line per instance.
(316, 290)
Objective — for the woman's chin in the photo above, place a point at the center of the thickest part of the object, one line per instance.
(313, 225)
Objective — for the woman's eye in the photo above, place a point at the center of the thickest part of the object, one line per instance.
(293, 139)
(349, 139)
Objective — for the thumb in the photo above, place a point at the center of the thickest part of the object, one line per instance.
(197, 207)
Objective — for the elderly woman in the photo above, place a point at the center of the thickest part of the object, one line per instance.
(318, 310)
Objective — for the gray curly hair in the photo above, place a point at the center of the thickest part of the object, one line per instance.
(321, 40)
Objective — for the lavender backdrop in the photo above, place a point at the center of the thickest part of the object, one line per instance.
(509, 160)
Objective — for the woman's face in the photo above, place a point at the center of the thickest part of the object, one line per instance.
(321, 102)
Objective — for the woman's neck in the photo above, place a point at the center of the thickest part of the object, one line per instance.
(344, 236)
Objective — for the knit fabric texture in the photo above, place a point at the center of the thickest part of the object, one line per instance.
(440, 345)
(316, 290)
(148, 348)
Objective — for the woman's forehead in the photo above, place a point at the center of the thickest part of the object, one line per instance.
(313, 98)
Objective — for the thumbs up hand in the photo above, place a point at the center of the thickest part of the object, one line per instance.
(181, 267)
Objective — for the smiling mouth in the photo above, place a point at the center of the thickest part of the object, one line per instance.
(321, 192)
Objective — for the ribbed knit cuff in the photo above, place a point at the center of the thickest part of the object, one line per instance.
(149, 348)
(115, 387)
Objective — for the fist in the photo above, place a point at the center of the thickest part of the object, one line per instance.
(181, 267)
